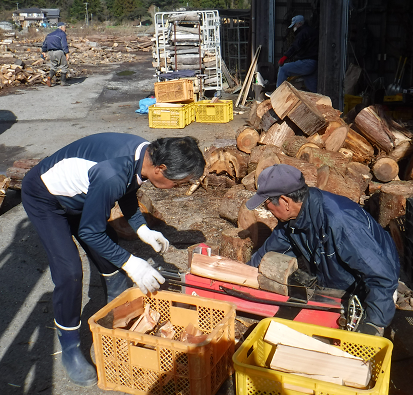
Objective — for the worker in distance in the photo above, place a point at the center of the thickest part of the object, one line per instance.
(72, 192)
(341, 243)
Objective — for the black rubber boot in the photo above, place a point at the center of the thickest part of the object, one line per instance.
(115, 284)
(63, 81)
(80, 371)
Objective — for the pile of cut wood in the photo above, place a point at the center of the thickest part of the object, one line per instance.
(367, 160)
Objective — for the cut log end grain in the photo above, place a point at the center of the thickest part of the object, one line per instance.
(336, 139)
(385, 169)
(247, 139)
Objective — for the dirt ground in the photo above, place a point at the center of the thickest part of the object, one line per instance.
(102, 101)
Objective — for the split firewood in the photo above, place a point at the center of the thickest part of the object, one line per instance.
(126, 312)
(259, 222)
(332, 180)
(232, 201)
(320, 101)
(263, 107)
(346, 153)
(193, 335)
(236, 244)
(167, 331)
(214, 250)
(362, 150)
(147, 321)
(403, 150)
(336, 139)
(219, 181)
(274, 271)
(247, 138)
(392, 200)
(351, 372)
(385, 169)
(224, 269)
(249, 181)
(277, 134)
(408, 172)
(228, 160)
(317, 140)
(268, 158)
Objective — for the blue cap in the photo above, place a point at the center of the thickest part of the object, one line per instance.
(296, 19)
(275, 181)
(61, 24)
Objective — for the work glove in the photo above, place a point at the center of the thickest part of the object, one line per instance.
(143, 274)
(370, 329)
(282, 60)
(156, 239)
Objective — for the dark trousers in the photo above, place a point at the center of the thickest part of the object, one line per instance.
(55, 229)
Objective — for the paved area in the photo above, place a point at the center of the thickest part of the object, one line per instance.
(33, 124)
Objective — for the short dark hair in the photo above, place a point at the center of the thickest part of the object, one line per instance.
(181, 156)
(297, 196)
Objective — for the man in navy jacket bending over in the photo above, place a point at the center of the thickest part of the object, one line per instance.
(341, 242)
(72, 192)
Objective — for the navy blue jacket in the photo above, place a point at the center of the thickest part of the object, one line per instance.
(305, 45)
(88, 176)
(54, 41)
(342, 242)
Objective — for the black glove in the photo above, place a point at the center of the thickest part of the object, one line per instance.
(370, 329)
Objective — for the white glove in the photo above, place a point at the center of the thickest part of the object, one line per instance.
(143, 274)
(156, 239)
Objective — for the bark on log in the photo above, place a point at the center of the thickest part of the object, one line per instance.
(255, 156)
(362, 150)
(277, 134)
(247, 138)
(270, 159)
(385, 169)
(359, 173)
(375, 129)
(292, 145)
(236, 244)
(253, 118)
(336, 139)
(320, 157)
(232, 201)
(331, 180)
(397, 232)
(26, 163)
(268, 119)
(403, 150)
(259, 222)
(309, 170)
(392, 200)
(263, 107)
(16, 173)
(224, 269)
(213, 180)
(274, 271)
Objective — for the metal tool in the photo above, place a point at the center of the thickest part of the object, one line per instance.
(391, 88)
(355, 313)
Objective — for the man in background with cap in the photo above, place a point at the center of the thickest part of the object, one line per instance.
(55, 44)
(305, 50)
(341, 243)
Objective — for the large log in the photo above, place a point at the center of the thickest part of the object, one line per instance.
(319, 157)
(363, 151)
(224, 269)
(288, 101)
(375, 129)
(385, 169)
(392, 200)
(236, 244)
(247, 138)
(331, 180)
(274, 271)
(232, 201)
(259, 222)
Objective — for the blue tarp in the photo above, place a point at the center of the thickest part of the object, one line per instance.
(144, 105)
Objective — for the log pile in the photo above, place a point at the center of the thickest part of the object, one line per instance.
(369, 161)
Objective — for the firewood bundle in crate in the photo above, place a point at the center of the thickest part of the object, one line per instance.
(368, 160)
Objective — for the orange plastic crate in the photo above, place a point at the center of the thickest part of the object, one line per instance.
(138, 363)
(174, 91)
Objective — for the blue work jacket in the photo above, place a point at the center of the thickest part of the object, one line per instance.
(55, 41)
(343, 243)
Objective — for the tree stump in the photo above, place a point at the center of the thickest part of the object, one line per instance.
(236, 244)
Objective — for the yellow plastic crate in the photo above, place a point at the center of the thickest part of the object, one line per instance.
(171, 115)
(174, 91)
(220, 112)
(138, 363)
(251, 362)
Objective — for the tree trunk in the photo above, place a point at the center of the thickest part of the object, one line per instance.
(392, 200)
(236, 244)
(331, 180)
(232, 201)
(247, 139)
(385, 169)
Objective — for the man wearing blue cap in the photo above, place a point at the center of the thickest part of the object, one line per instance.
(305, 50)
(55, 44)
(342, 244)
